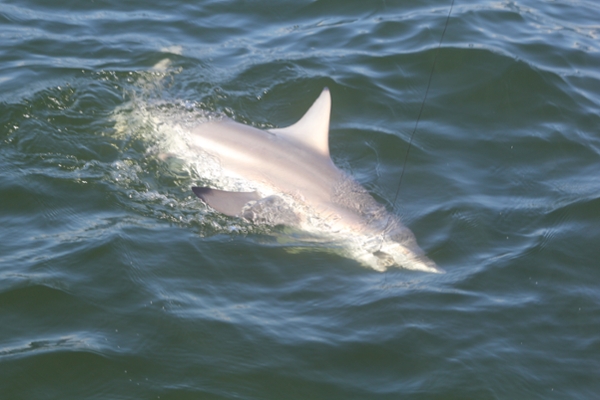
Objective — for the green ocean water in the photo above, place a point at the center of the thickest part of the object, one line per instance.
(117, 283)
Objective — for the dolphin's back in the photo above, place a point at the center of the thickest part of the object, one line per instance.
(268, 158)
(293, 164)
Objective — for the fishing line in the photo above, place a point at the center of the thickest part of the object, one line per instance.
(422, 105)
(389, 226)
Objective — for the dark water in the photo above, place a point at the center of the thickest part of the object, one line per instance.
(115, 283)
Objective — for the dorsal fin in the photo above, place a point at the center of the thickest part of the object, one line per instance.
(313, 128)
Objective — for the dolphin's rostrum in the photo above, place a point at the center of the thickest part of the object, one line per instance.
(298, 184)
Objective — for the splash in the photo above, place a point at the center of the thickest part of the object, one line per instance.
(162, 175)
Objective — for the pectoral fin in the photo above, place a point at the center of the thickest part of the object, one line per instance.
(228, 203)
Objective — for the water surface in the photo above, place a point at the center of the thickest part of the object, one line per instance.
(115, 282)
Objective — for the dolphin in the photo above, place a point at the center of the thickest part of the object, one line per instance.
(298, 185)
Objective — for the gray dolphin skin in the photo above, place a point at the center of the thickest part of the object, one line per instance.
(297, 184)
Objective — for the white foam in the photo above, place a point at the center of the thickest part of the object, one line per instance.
(164, 128)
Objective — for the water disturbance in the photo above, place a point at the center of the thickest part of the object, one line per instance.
(116, 282)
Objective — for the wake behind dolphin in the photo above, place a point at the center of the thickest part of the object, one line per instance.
(297, 184)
